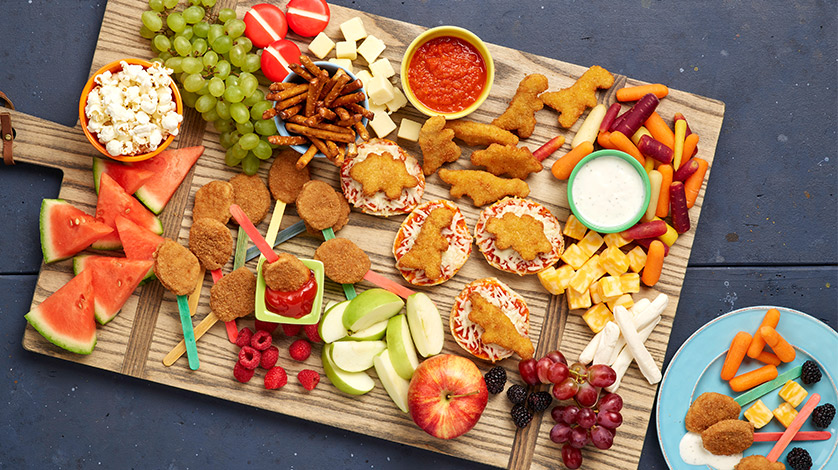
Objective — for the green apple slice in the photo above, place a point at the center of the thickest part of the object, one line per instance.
(400, 344)
(331, 326)
(370, 333)
(425, 324)
(356, 356)
(371, 307)
(395, 385)
(353, 383)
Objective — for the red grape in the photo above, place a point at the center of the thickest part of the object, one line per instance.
(542, 368)
(610, 402)
(556, 356)
(570, 413)
(600, 375)
(609, 419)
(556, 413)
(565, 389)
(587, 394)
(560, 433)
(586, 418)
(602, 437)
(558, 372)
(578, 437)
(527, 370)
(571, 457)
(579, 370)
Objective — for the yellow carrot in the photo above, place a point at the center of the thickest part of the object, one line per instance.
(678, 149)
(640, 133)
(655, 183)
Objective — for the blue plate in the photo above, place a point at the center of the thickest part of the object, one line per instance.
(696, 367)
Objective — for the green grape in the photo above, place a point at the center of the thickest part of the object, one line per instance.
(193, 14)
(222, 69)
(191, 65)
(210, 115)
(265, 127)
(205, 103)
(216, 86)
(243, 41)
(250, 164)
(156, 5)
(232, 80)
(189, 99)
(201, 29)
(223, 110)
(254, 98)
(252, 63)
(234, 28)
(222, 44)
(237, 56)
(228, 139)
(208, 3)
(187, 32)
(263, 150)
(158, 60)
(230, 159)
(161, 42)
(209, 59)
(175, 63)
(248, 83)
(175, 22)
(258, 109)
(204, 89)
(199, 47)
(146, 33)
(239, 112)
(193, 82)
(245, 127)
(194, 2)
(238, 151)
(165, 55)
(152, 20)
(215, 32)
(226, 14)
(182, 46)
(223, 125)
(249, 141)
(169, 4)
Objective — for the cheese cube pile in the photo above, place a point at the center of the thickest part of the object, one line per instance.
(758, 414)
(793, 393)
(785, 413)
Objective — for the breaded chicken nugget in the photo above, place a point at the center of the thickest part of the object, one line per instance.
(286, 274)
(758, 462)
(571, 102)
(498, 328)
(479, 134)
(517, 162)
(437, 145)
(212, 201)
(211, 242)
(520, 115)
(431, 243)
(343, 261)
(234, 296)
(176, 267)
(481, 186)
(382, 172)
(524, 234)
(728, 436)
(319, 205)
(708, 409)
(284, 179)
(342, 220)
(251, 194)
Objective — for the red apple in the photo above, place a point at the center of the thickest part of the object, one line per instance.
(447, 395)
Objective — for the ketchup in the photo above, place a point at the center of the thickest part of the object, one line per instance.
(294, 304)
(447, 74)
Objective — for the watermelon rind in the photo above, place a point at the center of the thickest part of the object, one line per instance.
(77, 316)
(170, 168)
(49, 237)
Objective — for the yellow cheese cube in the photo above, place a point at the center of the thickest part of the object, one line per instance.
(321, 45)
(590, 244)
(554, 280)
(630, 283)
(624, 300)
(409, 130)
(793, 393)
(615, 240)
(576, 300)
(637, 259)
(594, 291)
(597, 316)
(610, 288)
(758, 414)
(346, 50)
(587, 274)
(785, 413)
(380, 90)
(344, 63)
(371, 48)
(353, 29)
(364, 76)
(382, 124)
(573, 256)
(574, 229)
(614, 261)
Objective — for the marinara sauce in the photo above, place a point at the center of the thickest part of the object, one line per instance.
(447, 74)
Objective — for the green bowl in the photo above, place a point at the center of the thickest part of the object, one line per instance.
(643, 176)
(262, 312)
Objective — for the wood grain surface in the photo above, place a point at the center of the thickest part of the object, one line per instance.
(136, 341)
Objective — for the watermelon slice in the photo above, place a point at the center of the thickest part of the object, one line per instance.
(66, 230)
(138, 242)
(80, 262)
(114, 280)
(169, 169)
(127, 176)
(66, 317)
(114, 201)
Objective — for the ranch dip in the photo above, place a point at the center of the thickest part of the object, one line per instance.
(608, 192)
(693, 452)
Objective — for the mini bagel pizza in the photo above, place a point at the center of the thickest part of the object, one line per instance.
(382, 179)
(491, 321)
(519, 236)
(432, 244)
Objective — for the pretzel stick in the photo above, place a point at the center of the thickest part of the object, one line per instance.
(286, 114)
(306, 157)
(349, 122)
(313, 120)
(319, 133)
(346, 99)
(310, 65)
(287, 140)
(354, 85)
(269, 113)
(335, 91)
(331, 84)
(357, 108)
(326, 113)
(285, 104)
(301, 71)
(288, 92)
(313, 93)
(321, 145)
(279, 86)
(362, 131)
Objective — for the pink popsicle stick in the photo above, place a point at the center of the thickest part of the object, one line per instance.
(232, 328)
(255, 236)
(386, 283)
(801, 436)
(795, 425)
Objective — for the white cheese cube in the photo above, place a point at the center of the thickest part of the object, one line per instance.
(365, 77)
(346, 50)
(397, 102)
(382, 124)
(371, 48)
(321, 45)
(345, 63)
(375, 108)
(380, 90)
(353, 30)
(382, 68)
(409, 130)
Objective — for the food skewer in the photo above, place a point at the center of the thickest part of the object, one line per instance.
(232, 328)
(177, 269)
(348, 289)
(801, 436)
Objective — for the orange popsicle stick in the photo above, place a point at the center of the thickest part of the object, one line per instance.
(735, 354)
(795, 425)
(781, 347)
(253, 233)
(751, 379)
(772, 318)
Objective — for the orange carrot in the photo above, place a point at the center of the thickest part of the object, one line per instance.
(690, 144)
(660, 131)
(634, 93)
(619, 140)
(766, 357)
(693, 184)
(751, 379)
(663, 200)
(604, 140)
(654, 263)
(563, 167)
(781, 347)
(738, 348)
(771, 318)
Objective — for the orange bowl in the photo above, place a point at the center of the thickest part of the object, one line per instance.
(114, 67)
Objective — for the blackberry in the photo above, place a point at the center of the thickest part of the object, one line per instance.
(539, 401)
(521, 415)
(517, 394)
(495, 379)
(811, 373)
(799, 459)
(822, 415)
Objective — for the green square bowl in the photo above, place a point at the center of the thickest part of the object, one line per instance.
(262, 312)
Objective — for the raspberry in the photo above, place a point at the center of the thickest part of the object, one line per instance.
(265, 326)
(261, 340)
(521, 415)
(811, 373)
(539, 401)
(269, 357)
(308, 378)
(300, 350)
(291, 330)
(243, 339)
(799, 459)
(275, 378)
(517, 394)
(249, 358)
(495, 379)
(242, 373)
(312, 334)
(822, 415)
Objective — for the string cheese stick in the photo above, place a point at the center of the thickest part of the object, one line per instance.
(635, 345)
(643, 317)
(610, 334)
(624, 359)
(587, 354)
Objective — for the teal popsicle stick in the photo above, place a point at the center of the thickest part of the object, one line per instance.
(188, 332)
(767, 387)
(348, 289)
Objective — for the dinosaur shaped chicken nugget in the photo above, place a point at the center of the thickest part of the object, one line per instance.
(520, 115)
(430, 244)
(499, 328)
(437, 145)
(571, 102)
(517, 162)
(480, 134)
(481, 186)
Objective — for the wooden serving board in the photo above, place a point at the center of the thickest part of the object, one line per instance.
(136, 341)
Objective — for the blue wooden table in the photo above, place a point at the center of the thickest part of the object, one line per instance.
(767, 234)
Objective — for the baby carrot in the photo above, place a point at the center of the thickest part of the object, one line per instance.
(766, 357)
(660, 131)
(781, 347)
(634, 93)
(663, 200)
(604, 140)
(693, 184)
(548, 148)
(679, 116)
(771, 318)
(738, 348)
(619, 140)
(610, 115)
(678, 149)
(690, 144)
(751, 379)
(563, 167)
(654, 263)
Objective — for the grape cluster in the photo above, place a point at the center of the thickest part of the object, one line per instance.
(215, 66)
